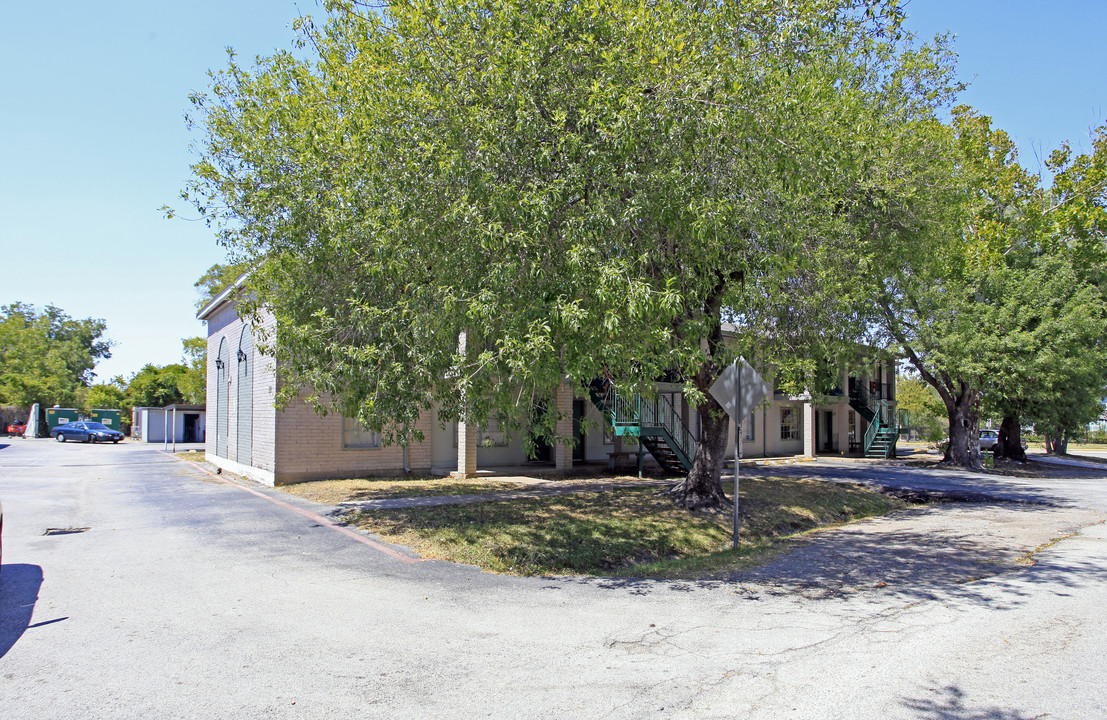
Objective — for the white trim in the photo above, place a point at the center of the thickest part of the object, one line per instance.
(221, 298)
(265, 477)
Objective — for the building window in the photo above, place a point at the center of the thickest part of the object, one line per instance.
(488, 436)
(356, 436)
(789, 424)
(852, 426)
(748, 434)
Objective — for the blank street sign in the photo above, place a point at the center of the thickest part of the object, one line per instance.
(739, 389)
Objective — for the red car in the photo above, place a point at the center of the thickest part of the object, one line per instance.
(17, 428)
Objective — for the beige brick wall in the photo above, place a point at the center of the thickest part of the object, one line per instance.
(309, 446)
(295, 443)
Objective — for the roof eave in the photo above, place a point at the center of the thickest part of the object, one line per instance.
(222, 298)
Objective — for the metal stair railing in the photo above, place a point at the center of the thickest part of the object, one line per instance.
(642, 417)
(862, 402)
(659, 413)
(879, 415)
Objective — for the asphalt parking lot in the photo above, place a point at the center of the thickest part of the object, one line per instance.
(190, 597)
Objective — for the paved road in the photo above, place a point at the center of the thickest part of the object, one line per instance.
(191, 598)
(1081, 486)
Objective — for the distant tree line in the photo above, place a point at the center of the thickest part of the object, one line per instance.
(48, 357)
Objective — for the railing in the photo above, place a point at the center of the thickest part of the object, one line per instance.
(639, 416)
(877, 407)
(660, 413)
(880, 415)
(870, 435)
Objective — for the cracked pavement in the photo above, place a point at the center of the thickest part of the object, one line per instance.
(189, 598)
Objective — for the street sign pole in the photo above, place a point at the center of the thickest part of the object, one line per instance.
(737, 390)
(737, 442)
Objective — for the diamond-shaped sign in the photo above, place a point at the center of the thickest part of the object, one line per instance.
(739, 388)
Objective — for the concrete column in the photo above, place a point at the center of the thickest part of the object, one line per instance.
(808, 429)
(466, 432)
(563, 449)
(466, 451)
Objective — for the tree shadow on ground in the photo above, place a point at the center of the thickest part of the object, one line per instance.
(907, 562)
(948, 703)
(943, 485)
(19, 585)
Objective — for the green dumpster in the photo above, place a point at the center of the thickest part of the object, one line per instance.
(111, 418)
(60, 416)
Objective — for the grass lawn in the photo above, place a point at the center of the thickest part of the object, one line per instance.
(333, 492)
(191, 455)
(636, 532)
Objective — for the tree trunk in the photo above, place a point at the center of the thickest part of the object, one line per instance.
(964, 430)
(1061, 442)
(1009, 444)
(702, 488)
(1057, 441)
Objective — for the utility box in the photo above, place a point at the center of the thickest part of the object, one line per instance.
(111, 418)
(60, 416)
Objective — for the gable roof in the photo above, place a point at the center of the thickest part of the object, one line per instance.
(222, 298)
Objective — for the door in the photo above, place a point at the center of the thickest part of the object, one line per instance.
(222, 399)
(542, 450)
(244, 399)
(191, 426)
(827, 430)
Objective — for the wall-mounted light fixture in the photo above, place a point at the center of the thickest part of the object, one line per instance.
(241, 355)
(218, 363)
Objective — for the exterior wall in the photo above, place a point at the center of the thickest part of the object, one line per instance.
(443, 439)
(309, 446)
(224, 324)
(152, 424)
(443, 442)
(766, 440)
(595, 447)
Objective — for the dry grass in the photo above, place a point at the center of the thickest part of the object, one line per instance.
(191, 455)
(333, 492)
(635, 531)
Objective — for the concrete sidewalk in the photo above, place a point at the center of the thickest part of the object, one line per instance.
(1071, 462)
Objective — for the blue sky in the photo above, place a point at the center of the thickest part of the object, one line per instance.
(93, 142)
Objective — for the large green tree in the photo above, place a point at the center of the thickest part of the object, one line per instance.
(48, 356)
(195, 356)
(580, 189)
(997, 300)
(158, 386)
(923, 408)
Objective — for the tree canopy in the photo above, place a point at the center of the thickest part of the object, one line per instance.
(585, 189)
(158, 386)
(998, 300)
(48, 356)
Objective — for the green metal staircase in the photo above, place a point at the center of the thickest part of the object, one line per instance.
(883, 432)
(654, 421)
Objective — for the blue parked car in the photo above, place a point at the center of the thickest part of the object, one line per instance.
(83, 431)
